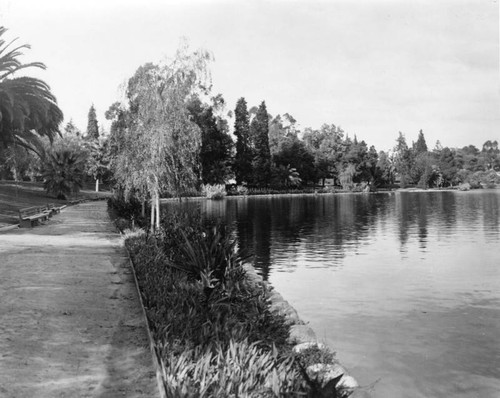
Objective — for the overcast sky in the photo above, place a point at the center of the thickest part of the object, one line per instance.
(373, 67)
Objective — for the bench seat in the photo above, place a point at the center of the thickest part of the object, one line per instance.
(30, 216)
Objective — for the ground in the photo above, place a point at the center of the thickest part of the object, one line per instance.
(16, 195)
(71, 323)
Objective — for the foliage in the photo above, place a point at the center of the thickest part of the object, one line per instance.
(315, 354)
(420, 146)
(160, 143)
(92, 125)
(241, 190)
(262, 156)
(281, 129)
(244, 154)
(213, 329)
(403, 161)
(216, 144)
(286, 176)
(491, 153)
(346, 177)
(215, 192)
(19, 164)
(130, 209)
(293, 154)
(241, 370)
(97, 164)
(63, 173)
(327, 145)
(26, 104)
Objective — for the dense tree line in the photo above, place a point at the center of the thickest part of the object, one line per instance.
(172, 135)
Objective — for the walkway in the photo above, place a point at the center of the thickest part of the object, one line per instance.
(71, 324)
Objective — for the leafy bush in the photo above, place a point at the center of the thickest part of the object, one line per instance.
(464, 186)
(241, 190)
(215, 192)
(127, 209)
(63, 173)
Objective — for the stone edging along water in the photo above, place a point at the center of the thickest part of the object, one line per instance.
(304, 337)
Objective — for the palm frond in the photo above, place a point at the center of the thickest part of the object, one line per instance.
(26, 103)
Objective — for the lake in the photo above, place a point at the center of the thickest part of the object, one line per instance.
(404, 286)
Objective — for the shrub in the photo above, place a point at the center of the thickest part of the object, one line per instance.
(241, 190)
(464, 186)
(215, 192)
(63, 173)
(128, 210)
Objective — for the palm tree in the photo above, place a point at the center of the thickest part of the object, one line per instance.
(28, 109)
(63, 173)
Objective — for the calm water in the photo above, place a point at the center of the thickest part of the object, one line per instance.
(404, 286)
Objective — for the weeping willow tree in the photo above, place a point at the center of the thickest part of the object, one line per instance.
(160, 147)
(28, 109)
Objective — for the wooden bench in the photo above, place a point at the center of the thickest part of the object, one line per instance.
(30, 216)
(53, 209)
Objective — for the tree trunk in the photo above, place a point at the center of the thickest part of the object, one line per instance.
(143, 208)
(152, 214)
(97, 184)
(157, 211)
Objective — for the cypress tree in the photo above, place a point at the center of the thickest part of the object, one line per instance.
(421, 145)
(243, 159)
(262, 158)
(92, 126)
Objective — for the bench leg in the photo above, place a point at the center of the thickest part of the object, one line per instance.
(25, 224)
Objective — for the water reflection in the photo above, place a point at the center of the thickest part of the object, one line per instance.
(403, 285)
(321, 229)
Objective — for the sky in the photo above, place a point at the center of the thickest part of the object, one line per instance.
(373, 67)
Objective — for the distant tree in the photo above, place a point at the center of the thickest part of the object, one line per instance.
(468, 158)
(92, 125)
(71, 130)
(422, 170)
(420, 146)
(281, 129)
(367, 170)
(403, 160)
(295, 155)
(28, 109)
(285, 176)
(216, 144)
(491, 155)
(448, 166)
(97, 165)
(244, 155)
(346, 176)
(262, 155)
(385, 167)
(21, 163)
(328, 147)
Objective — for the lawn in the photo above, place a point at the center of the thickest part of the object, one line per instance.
(17, 195)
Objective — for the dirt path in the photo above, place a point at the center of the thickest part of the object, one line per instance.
(70, 319)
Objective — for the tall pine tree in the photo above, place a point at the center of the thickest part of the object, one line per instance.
(92, 126)
(243, 159)
(421, 145)
(262, 156)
